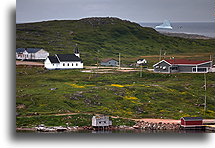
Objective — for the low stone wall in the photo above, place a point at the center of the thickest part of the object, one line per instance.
(156, 126)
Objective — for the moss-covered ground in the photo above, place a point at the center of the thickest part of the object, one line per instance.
(123, 94)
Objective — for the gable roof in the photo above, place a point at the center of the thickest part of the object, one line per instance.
(182, 62)
(29, 50)
(68, 57)
(53, 59)
(185, 61)
(161, 62)
(192, 118)
(20, 50)
(108, 59)
(33, 50)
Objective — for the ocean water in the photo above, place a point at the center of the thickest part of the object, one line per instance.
(200, 28)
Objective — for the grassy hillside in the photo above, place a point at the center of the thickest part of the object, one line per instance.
(104, 37)
(118, 94)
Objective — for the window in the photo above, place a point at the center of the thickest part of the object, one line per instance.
(174, 68)
(161, 67)
(72, 64)
(76, 64)
(104, 121)
(200, 69)
(53, 64)
(63, 64)
(68, 64)
(157, 67)
(164, 67)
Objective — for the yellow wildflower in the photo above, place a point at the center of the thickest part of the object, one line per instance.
(116, 85)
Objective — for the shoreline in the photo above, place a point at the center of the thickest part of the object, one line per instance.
(142, 124)
(185, 35)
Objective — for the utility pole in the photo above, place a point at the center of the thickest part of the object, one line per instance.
(97, 60)
(160, 56)
(119, 61)
(205, 104)
(141, 70)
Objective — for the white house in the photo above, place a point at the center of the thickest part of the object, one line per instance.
(109, 62)
(31, 54)
(64, 61)
(141, 62)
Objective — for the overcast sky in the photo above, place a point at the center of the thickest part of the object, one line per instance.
(133, 10)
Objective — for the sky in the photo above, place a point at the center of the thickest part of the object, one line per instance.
(132, 10)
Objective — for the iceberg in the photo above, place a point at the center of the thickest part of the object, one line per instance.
(165, 25)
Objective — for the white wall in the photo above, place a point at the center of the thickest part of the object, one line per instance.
(42, 54)
(49, 65)
(63, 65)
(71, 65)
(24, 55)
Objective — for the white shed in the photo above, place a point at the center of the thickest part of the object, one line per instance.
(101, 121)
(141, 61)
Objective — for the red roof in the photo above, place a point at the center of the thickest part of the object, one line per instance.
(184, 61)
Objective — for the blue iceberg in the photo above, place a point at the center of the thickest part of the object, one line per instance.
(165, 25)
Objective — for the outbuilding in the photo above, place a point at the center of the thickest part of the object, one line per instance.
(191, 121)
(141, 62)
(101, 121)
(109, 62)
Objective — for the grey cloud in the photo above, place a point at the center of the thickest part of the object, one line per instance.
(134, 10)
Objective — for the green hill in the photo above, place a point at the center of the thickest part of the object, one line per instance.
(104, 37)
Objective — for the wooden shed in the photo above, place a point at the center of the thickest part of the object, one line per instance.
(191, 121)
(101, 121)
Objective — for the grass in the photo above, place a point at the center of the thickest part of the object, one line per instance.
(118, 94)
(99, 38)
(64, 120)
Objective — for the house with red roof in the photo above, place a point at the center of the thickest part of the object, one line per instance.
(182, 66)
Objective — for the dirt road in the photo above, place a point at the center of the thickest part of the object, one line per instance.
(29, 63)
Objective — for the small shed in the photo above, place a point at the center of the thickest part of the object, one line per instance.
(141, 62)
(191, 121)
(101, 121)
(109, 62)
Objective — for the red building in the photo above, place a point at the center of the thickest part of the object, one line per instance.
(191, 121)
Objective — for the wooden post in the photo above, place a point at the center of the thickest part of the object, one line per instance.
(205, 105)
(141, 70)
(119, 61)
(160, 56)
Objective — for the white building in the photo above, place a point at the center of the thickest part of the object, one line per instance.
(31, 54)
(101, 121)
(141, 62)
(64, 61)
